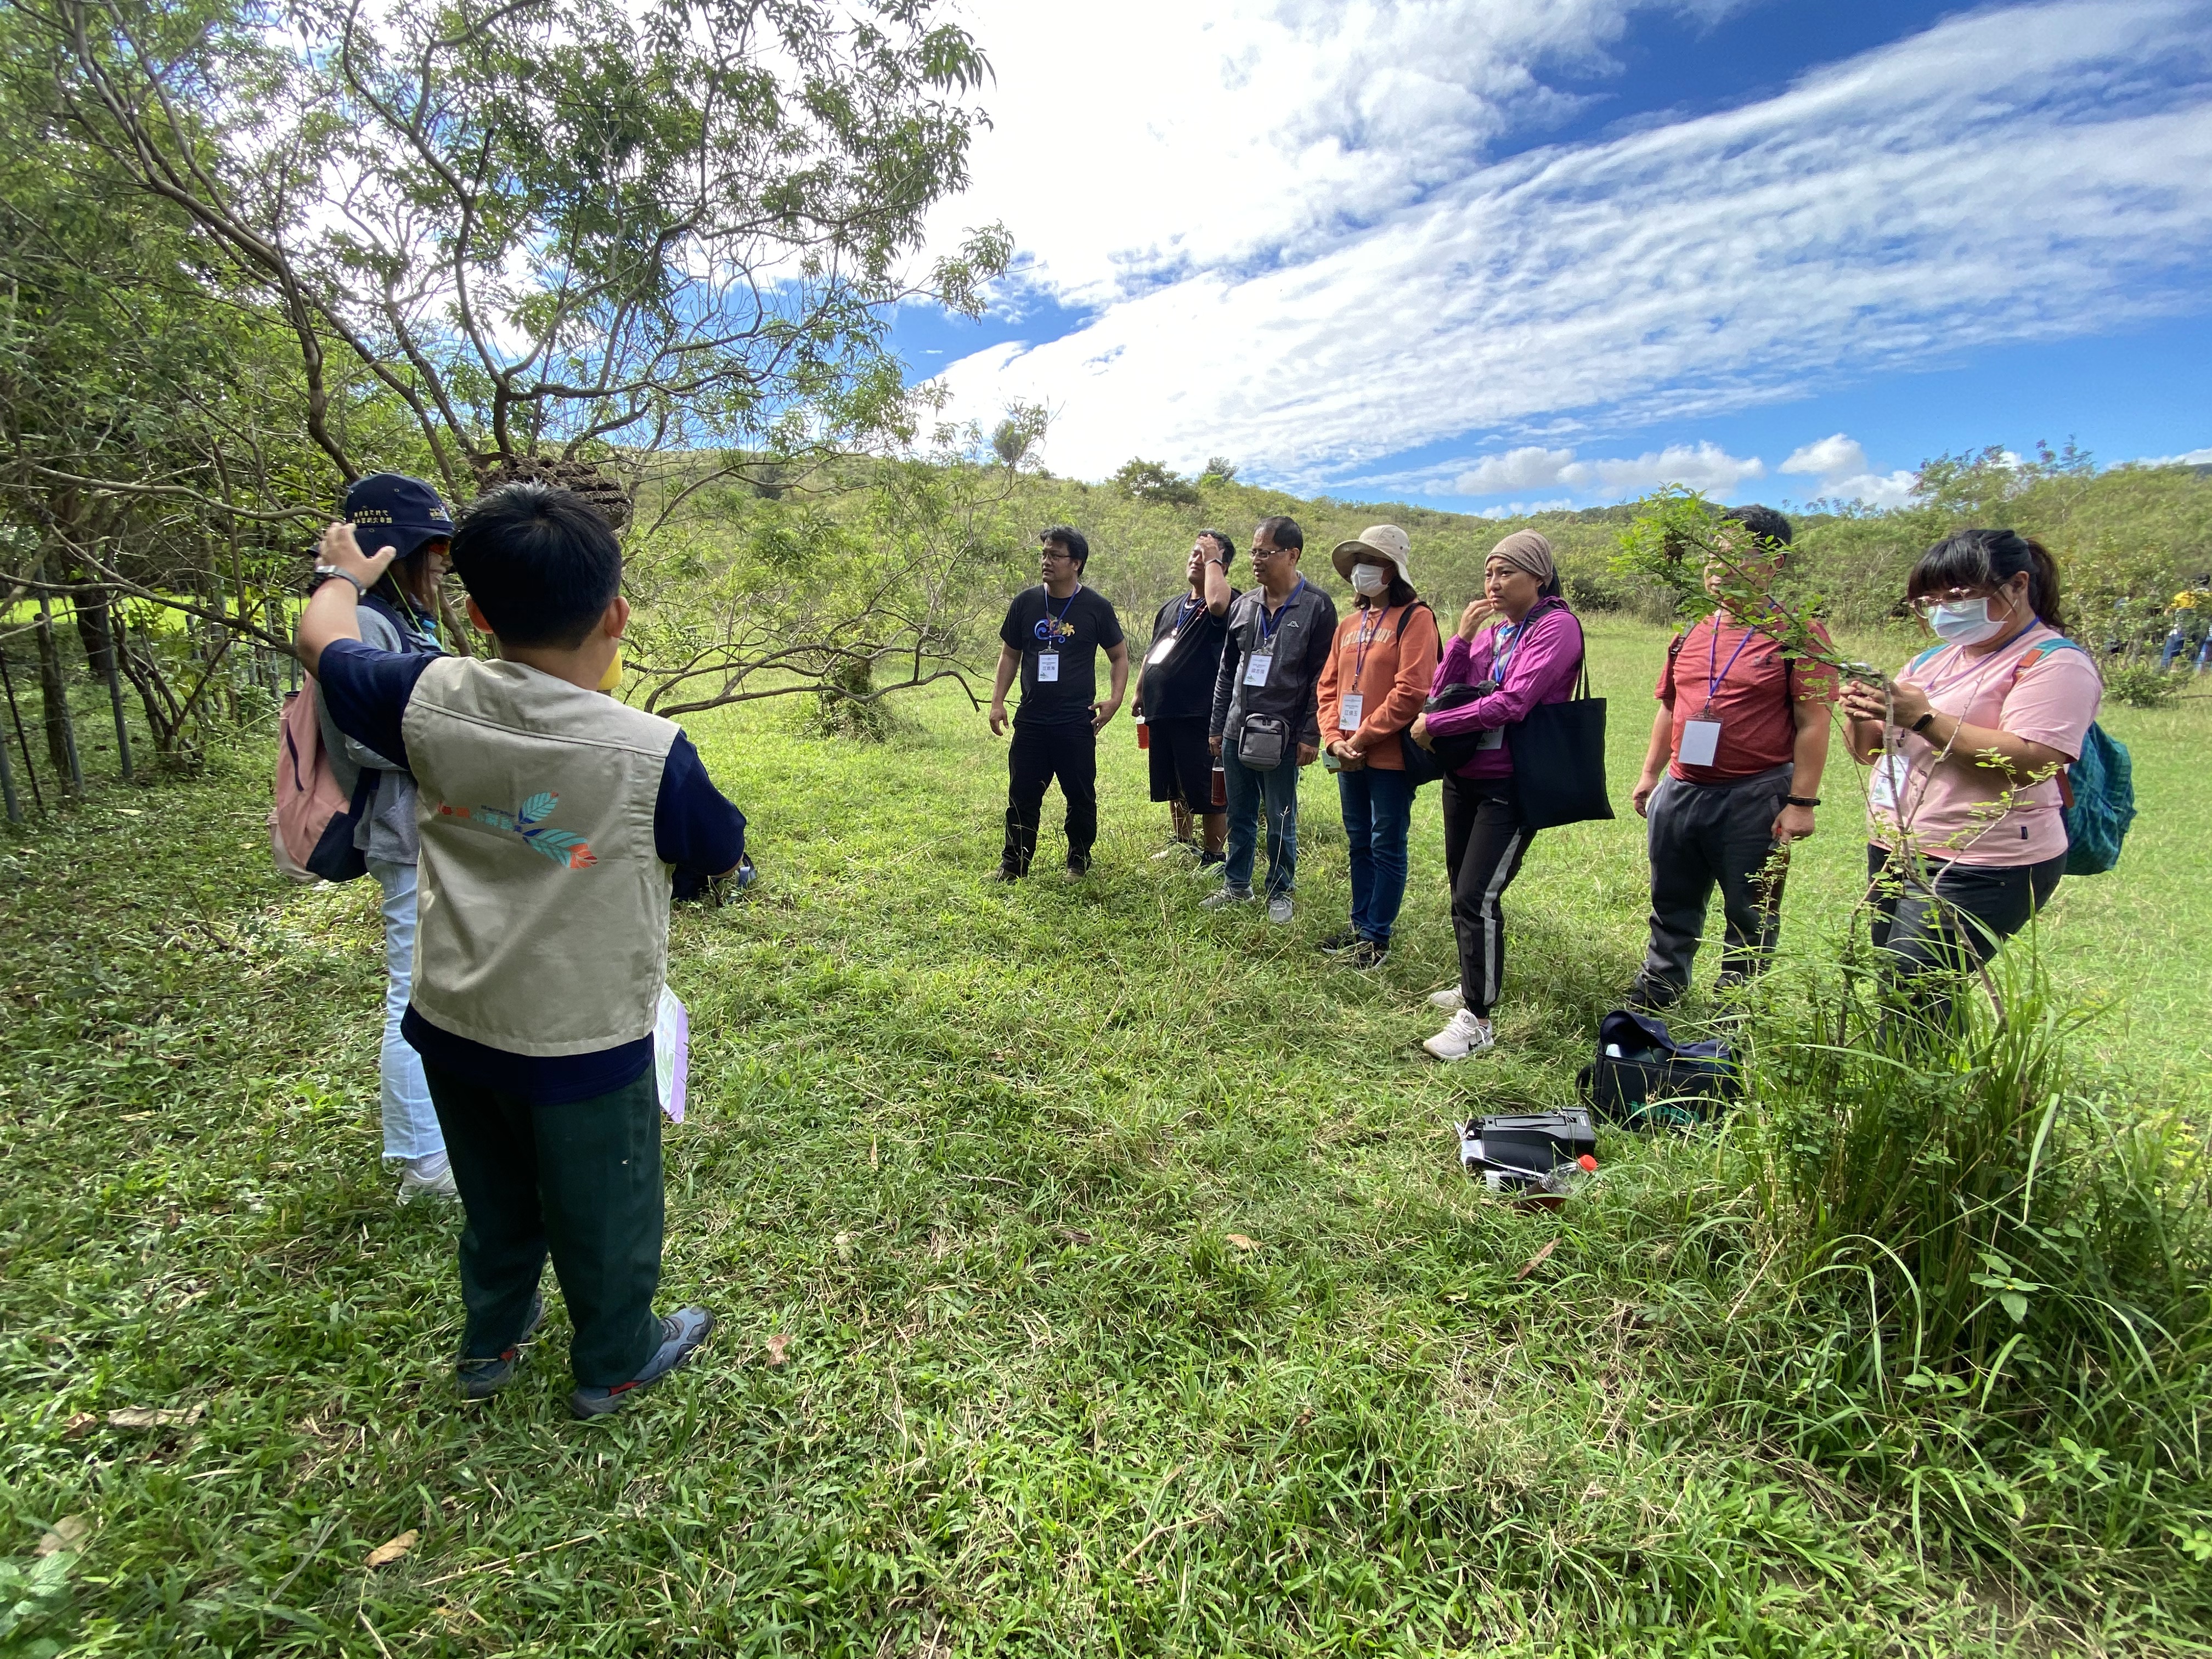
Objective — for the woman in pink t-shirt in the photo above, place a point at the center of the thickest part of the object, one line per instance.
(1967, 839)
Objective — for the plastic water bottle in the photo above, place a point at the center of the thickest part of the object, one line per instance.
(1144, 734)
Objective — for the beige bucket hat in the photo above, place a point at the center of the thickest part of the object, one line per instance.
(1385, 541)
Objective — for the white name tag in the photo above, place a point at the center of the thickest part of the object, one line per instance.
(1256, 667)
(1492, 739)
(1048, 667)
(1355, 705)
(1886, 786)
(1160, 647)
(1701, 741)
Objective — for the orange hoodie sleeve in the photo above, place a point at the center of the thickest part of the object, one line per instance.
(1329, 688)
(1409, 686)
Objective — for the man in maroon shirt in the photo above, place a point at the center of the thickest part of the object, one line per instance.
(1741, 735)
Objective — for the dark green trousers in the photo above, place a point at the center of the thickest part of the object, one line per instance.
(579, 1181)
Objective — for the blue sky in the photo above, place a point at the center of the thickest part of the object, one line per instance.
(1491, 254)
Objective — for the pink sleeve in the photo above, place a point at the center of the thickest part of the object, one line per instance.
(1455, 666)
(2053, 700)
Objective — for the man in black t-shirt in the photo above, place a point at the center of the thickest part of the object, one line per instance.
(1051, 634)
(1175, 695)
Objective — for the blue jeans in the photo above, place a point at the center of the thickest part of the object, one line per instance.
(1378, 811)
(410, 1122)
(1248, 792)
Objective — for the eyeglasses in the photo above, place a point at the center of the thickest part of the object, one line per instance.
(1058, 553)
(1268, 552)
(1928, 602)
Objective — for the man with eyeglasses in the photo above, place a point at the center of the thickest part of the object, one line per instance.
(1051, 636)
(1267, 713)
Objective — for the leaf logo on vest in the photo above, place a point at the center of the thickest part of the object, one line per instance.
(564, 847)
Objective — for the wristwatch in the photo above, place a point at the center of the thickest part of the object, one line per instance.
(1926, 720)
(333, 570)
(1800, 800)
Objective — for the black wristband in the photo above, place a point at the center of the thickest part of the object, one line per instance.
(1800, 800)
(1922, 725)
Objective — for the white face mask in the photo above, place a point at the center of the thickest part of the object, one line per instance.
(1963, 622)
(1369, 579)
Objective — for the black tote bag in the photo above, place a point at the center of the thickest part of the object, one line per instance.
(1559, 759)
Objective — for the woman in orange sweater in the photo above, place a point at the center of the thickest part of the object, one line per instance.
(1375, 682)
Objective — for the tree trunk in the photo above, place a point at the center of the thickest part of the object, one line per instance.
(53, 697)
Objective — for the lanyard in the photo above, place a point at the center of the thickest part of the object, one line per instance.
(1266, 630)
(1052, 639)
(1712, 680)
(1978, 669)
(1369, 628)
(1190, 607)
(1512, 634)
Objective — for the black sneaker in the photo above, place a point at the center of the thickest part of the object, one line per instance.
(681, 1334)
(1078, 867)
(1337, 944)
(480, 1379)
(1646, 997)
(1211, 860)
(1368, 953)
(1004, 873)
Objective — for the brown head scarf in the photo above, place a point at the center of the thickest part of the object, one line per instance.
(1525, 550)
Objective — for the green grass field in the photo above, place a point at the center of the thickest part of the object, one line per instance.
(1095, 1272)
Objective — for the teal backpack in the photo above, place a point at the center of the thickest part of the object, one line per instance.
(2100, 792)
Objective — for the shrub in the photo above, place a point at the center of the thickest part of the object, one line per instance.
(2144, 685)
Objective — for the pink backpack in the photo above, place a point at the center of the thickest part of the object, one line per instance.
(311, 822)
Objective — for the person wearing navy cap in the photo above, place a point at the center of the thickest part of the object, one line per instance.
(398, 613)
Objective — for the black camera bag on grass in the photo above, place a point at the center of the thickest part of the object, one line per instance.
(1643, 1078)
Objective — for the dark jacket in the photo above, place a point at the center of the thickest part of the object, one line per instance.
(1304, 634)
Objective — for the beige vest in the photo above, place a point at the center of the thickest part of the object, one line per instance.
(543, 920)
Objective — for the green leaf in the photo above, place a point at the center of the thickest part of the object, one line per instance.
(2014, 1303)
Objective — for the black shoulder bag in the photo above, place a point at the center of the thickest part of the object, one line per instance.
(1559, 759)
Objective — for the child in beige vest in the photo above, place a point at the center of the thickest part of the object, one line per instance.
(553, 819)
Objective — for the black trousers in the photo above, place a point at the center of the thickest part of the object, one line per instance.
(1037, 755)
(1485, 839)
(1952, 920)
(1706, 835)
(580, 1181)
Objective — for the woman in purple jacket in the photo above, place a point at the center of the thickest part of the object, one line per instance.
(1520, 640)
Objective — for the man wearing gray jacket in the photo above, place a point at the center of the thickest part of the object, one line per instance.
(1266, 717)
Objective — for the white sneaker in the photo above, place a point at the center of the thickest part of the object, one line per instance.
(430, 1175)
(1465, 1036)
(1278, 908)
(1451, 998)
(1226, 896)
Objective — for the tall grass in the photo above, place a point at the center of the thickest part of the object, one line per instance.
(2007, 1265)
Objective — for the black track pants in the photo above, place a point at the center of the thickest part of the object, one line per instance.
(1485, 839)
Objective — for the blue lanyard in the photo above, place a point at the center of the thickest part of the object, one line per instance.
(1190, 607)
(1512, 634)
(1712, 680)
(1267, 631)
(1052, 640)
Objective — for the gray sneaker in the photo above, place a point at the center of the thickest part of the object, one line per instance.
(1226, 896)
(480, 1379)
(1278, 908)
(681, 1334)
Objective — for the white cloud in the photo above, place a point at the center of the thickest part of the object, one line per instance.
(1833, 456)
(1707, 467)
(2194, 458)
(1522, 509)
(1840, 464)
(1848, 226)
(1531, 468)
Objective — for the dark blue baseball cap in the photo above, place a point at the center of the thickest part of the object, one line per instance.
(389, 509)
